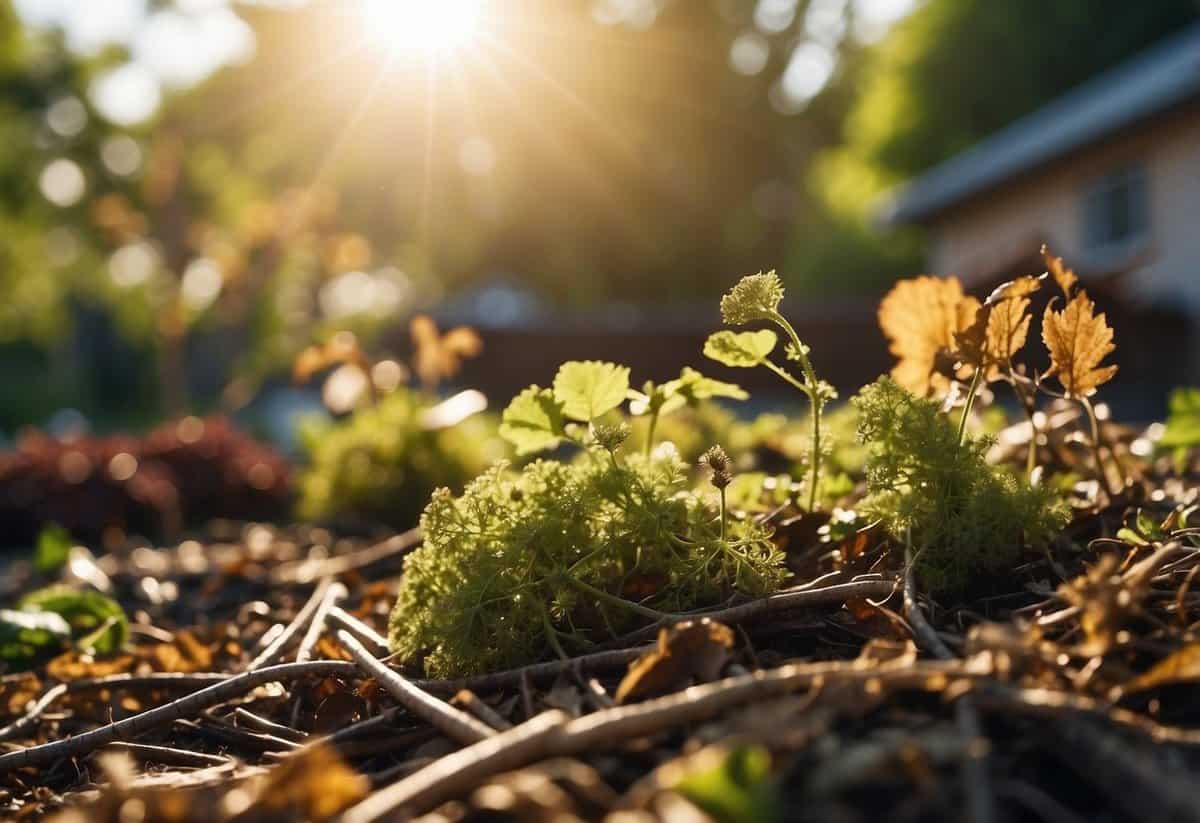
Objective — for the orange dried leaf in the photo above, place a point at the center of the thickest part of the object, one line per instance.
(920, 318)
(1016, 288)
(342, 348)
(1064, 277)
(693, 650)
(1007, 329)
(1078, 339)
(437, 356)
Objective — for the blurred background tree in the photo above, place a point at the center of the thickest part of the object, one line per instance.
(192, 191)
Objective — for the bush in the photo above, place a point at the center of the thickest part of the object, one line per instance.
(553, 556)
(381, 464)
(967, 519)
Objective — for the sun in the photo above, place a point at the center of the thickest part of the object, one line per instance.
(422, 27)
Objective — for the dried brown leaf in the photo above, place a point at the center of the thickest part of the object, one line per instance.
(1018, 287)
(437, 357)
(1183, 666)
(1063, 276)
(341, 348)
(1078, 339)
(693, 650)
(920, 317)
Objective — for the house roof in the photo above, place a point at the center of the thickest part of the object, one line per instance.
(1152, 82)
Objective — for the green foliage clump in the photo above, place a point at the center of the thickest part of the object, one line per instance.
(556, 555)
(966, 518)
(382, 463)
(1182, 433)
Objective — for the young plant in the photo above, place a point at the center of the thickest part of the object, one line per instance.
(562, 555)
(756, 298)
(965, 518)
(584, 391)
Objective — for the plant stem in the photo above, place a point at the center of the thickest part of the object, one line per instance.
(552, 636)
(1101, 474)
(814, 396)
(962, 424)
(612, 599)
(722, 490)
(650, 431)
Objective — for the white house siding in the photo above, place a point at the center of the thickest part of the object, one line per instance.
(978, 239)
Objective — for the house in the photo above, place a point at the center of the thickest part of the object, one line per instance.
(1107, 175)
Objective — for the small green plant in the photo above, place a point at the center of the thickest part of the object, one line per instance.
(965, 518)
(383, 462)
(756, 298)
(562, 554)
(1182, 432)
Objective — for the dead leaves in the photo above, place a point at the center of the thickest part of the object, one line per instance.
(1064, 277)
(690, 651)
(1078, 340)
(437, 356)
(921, 318)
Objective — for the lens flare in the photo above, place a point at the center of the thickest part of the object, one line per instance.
(422, 27)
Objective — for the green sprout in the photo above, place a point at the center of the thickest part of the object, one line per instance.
(757, 298)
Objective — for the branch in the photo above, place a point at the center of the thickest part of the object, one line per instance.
(272, 652)
(454, 723)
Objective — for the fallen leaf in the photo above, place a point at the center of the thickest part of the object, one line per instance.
(690, 651)
(437, 356)
(1078, 339)
(1182, 666)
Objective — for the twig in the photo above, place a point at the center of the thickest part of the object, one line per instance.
(253, 721)
(300, 622)
(452, 722)
(976, 783)
(537, 672)
(306, 571)
(837, 593)
(237, 737)
(334, 593)
(168, 756)
(554, 733)
(343, 619)
(470, 703)
(194, 703)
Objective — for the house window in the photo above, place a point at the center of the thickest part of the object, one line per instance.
(1116, 212)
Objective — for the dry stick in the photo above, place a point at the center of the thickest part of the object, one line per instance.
(168, 755)
(553, 733)
(470, 703)
(837, 594)
(154, 680)
(298, 624)
(335, 593)
(253, 721)
(343, 619)
(306, 571)
(537, 672)
(976, 783)
(452, 722)
(194, 703)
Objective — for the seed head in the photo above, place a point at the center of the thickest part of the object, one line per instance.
(718, 462)
(610, 437)
(755, 297)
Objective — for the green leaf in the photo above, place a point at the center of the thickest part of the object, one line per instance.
(533, 421)
(98, 622)
(26, 637)
(737, 788)
(1183, 420)
(588, 388)
(694, 386)
(52, 549)
(741, 350)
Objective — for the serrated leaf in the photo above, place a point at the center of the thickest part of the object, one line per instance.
(920, 318)
(691, 385)
(533, 421)
(589, 388)
(98, 622)
(755, 297)
(740, 350)
(999, 331)
(1064, 277)
(1078, 339)
(1018, 287)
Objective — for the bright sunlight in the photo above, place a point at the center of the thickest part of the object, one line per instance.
(420, 26)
